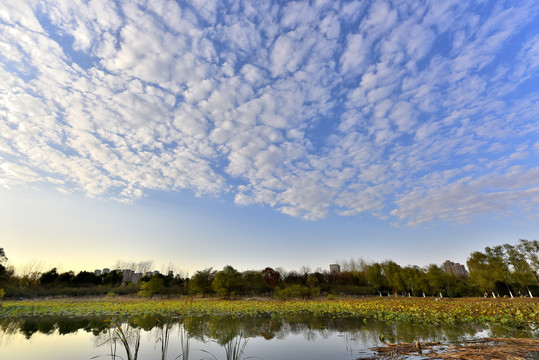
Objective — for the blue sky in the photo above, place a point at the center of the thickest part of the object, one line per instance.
(207, 133)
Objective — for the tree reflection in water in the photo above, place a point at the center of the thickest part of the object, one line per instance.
(184, 341)
(229, 332)
(8, 330)
(128, 335)
(163, 337)
(122, 336)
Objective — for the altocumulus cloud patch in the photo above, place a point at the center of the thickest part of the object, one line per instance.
(416, 111)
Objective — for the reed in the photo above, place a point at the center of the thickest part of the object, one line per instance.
(124, 334)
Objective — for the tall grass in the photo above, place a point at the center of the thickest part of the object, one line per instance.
(127, 336)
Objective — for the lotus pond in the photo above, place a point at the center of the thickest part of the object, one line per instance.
(265, 329)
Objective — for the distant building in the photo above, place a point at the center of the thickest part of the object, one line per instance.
(454, 268)
(334, 269)
(136, 277)
(106, 271)
(97, 272)
(128, 275)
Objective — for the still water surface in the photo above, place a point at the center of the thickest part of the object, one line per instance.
(216, 338)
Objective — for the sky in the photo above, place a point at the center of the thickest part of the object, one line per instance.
(262, 133)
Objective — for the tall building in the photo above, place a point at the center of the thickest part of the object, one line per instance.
(136, 277)
(334, 269)
(454, 268)
(128, 275)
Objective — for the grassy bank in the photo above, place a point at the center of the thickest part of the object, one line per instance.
(511, 312)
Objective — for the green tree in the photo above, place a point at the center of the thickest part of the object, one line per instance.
(66, 278)
(2, 255)
(423, 283)
(521, 271)
(86, 278)
(375, 277)
(254, 281)
(393, 273)
(2, 259)
(530, 250)
(294, 277)
(312, 280)
(500, 264)
(479, 273)
(227, 281)
(412, 276)
(154, 286)
(201, 282)
(4, 273)
(487, 269)
(48, 277)
(114, 277)
(437, 279)
(297, 291)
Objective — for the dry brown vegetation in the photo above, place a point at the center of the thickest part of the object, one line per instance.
(484, 349)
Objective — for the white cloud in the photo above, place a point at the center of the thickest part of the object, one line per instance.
(413, 110)
(355, 55)
(289, 52)
(330, 26)
(298, 13)
(207, 9)
(529, 60)
(467, 198)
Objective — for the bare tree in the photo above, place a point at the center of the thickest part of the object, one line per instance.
(353, 265)
(144, 266)
(140, 267)
(31, 272)
(170, 268)
(305, 270)
(281, 271)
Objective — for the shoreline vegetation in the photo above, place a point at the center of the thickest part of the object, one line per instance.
(506, 278)
(503, 270)
(511, 312)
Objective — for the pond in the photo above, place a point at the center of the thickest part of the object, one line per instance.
(218, 337)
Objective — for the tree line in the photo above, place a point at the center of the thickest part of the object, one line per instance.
(503, 270)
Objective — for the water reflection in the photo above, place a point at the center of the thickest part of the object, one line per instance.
(120, 335)
(212, 337)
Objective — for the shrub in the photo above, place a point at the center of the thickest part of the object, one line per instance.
(154, 286)
(297, 291)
